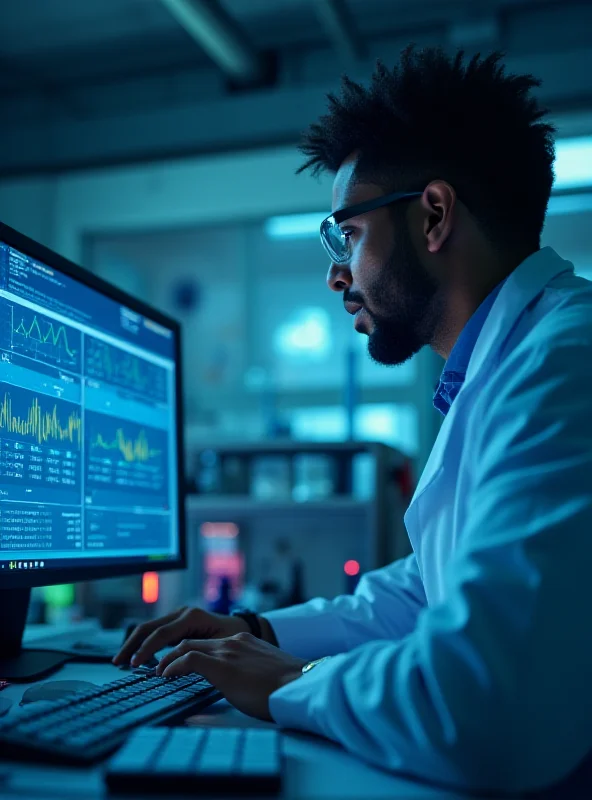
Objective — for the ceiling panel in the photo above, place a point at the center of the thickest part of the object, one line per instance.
(35, 27)
(70, 42)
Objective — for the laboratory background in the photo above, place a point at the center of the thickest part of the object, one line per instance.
(155, 142)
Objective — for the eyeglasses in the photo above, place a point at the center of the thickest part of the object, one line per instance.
(335, 241)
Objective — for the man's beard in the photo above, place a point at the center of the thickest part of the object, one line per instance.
(414, 306)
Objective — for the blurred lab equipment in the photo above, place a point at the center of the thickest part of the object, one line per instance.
(300, 512)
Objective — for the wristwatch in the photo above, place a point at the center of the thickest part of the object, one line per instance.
(251, 619)
(312, 664)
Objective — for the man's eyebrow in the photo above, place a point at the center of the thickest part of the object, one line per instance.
(348, 202)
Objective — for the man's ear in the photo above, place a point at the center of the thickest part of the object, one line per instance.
(439, 204)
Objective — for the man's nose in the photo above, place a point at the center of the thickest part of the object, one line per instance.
(339, 277)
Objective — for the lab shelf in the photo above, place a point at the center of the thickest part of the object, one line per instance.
(244, 504)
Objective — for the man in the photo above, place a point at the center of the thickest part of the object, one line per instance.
(469, 662)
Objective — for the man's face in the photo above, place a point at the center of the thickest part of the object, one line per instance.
(395, 300)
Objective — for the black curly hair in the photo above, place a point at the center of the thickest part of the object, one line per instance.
(439, 116)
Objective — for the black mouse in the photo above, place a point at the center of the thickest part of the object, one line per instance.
(54, 690)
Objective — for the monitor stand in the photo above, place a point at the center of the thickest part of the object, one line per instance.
(20, 664)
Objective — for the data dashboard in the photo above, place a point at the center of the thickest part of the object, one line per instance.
(88, 448)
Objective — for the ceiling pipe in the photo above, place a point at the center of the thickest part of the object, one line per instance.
(222, 39)
(339, 23)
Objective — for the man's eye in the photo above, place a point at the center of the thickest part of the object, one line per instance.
(346, 233)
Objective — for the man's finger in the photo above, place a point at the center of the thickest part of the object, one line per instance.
(163, 636)
(206, 646)
(140, 633)
(193, 661)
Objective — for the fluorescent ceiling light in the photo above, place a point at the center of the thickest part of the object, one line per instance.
(294, 226)
(573, 163)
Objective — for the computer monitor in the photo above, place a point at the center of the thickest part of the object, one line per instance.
(91, 457)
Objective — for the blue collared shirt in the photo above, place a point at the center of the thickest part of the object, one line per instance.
(455, 369)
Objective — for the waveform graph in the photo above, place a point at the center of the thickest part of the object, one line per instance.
(129, 449)
(37, 419)
(41, 338)
(126, 462)
(119, 367)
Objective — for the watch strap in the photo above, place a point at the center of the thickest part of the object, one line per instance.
(251, 619)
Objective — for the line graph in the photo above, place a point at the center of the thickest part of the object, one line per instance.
(41, 338)
(125, 458)
(131, 449)
(23, 414)
(113, 365)
(58, 337)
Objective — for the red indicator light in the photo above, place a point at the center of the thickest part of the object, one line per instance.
(351, 567)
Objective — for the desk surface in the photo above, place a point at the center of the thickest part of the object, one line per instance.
(314, 768)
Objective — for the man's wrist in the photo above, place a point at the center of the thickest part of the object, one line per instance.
(289, 677)
(267, 632)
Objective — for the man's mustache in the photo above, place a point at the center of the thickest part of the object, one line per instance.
(353, 297)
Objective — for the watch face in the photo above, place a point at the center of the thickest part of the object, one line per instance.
(311, 664)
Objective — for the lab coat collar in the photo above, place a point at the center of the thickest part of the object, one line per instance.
(521, 287)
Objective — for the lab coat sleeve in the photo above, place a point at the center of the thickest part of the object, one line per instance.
(385, 605)
(492, 690)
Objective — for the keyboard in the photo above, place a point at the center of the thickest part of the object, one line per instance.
(85, 727)
(197, 761)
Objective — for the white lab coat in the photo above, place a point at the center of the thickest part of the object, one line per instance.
(470, 662)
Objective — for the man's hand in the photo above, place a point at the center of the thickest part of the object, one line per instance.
(184, 623)
(246, 670)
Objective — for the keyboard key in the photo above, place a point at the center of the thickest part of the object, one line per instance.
(82, 740)
(49, 736)
(139, 751)
(146, 711)
(220, 752)
(181, 751)
(257, 741)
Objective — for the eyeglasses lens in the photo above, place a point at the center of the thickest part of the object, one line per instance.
(334, 241)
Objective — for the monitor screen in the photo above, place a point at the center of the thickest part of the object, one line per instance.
(88, 425)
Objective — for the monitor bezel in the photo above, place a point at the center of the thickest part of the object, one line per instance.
(51, 577)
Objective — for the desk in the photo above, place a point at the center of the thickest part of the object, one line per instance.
(314, 768)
